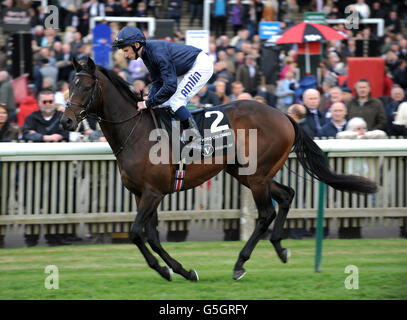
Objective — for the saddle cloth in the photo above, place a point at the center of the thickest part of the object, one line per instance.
(213, 124)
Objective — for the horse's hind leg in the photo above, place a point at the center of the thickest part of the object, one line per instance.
(146, 205)
(262, 197)
(284, 196)
(154, 241)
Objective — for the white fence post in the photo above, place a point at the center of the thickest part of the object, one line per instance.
(248, 214)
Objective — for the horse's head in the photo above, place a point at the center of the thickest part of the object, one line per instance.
(83, 92)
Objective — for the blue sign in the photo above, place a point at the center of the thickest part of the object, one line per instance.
(268, 29)
(102, 45)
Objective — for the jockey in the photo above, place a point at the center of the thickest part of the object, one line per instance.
(178, 72)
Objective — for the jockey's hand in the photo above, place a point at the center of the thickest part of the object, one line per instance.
(141, 105)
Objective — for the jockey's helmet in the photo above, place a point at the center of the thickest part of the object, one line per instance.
(128, 36)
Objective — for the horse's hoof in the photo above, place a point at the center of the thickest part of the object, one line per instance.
(239, 274)
(285, 255)
(193, 276)
(167, 273)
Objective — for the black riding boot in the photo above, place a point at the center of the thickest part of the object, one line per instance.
(192, 128)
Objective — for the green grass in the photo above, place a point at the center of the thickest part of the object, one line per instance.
(120, 272)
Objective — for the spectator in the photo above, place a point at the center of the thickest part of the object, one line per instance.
(221, 91)
(269, 10)
(285, 92)
(237, 88)
(64, 62)
(289, 64)
(49, 71)
(219, 16)
(249, 75)
(91, 131)
(8, 132)
(336, 123)
(231, 58)
(175, 10)
(298, 112)
(76, 43)
(229, 64)
(236, 15)
(335, 94)
(48, 84)
(112, 9)
(397, 97)
(208, 97)
(126, 9)
(315, 119)
(346, 94)
(362, 8)
(220, 71)
(28, 105)
(83, 16)
(241, 37)
(402, 53)
(392, 24)
(155, 8)
(356, 128)
(7, 95)
(377, 11)
(399, 125)
(400, 74)
(137, 70)
(365, 106)
(43, 125)
(195, 11)
(250, 16)
(96, 8)
(61, 91)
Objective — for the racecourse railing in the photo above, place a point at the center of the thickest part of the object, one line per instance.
(55, 187)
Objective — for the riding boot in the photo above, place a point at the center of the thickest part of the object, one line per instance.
(190, 125)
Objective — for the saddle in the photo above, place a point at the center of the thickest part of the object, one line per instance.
(213, 124)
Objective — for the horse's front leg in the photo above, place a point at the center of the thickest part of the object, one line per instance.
(154, 241)
(146, 205)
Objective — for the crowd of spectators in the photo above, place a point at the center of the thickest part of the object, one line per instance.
(235, 48)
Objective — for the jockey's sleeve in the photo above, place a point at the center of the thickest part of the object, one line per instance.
(155, 86)
(168, 79)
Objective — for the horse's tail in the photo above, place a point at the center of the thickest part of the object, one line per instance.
(315, 164)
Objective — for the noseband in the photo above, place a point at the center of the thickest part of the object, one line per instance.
(85, 108)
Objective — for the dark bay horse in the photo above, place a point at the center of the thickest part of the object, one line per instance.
(96, 90)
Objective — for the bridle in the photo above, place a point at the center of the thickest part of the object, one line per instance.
(84, 113)
(85, 108)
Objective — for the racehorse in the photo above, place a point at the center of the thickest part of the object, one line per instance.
(101, 93)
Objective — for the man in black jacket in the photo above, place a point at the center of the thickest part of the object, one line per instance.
(43, 125)
(314, 118)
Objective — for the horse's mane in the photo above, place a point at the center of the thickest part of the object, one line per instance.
(120, 84)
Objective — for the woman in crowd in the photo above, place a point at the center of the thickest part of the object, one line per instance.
(8, 132)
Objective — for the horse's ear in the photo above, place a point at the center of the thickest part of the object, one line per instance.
(91, 65)
(76, 65)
